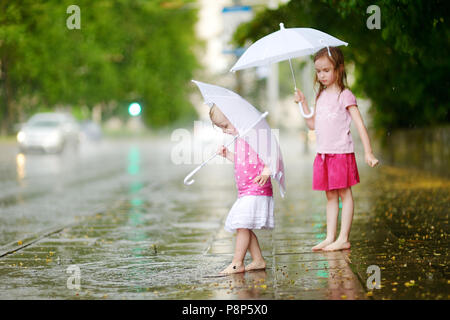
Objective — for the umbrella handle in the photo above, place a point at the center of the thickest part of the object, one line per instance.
(188, 183)
(306, 116)
(189, 176)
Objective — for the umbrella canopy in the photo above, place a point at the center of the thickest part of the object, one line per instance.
(243, 116)
(284, 44)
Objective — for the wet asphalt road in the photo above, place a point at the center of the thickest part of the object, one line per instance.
(136, 232)
(40, 191)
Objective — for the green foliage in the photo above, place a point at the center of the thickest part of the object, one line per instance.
(402, 67)
(126, 50)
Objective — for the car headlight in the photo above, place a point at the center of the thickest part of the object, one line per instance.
(21, 136)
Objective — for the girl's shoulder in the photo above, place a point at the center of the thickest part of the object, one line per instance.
(347, 92)
(347, 97)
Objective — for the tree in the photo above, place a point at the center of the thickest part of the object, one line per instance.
(125, 50)
(401, 67)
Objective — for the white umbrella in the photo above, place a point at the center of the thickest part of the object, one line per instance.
(249, 122)
(286, 44)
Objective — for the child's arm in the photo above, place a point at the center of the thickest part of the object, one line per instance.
(263, 177)
(224, 152)
(356, 116)
(300, 97)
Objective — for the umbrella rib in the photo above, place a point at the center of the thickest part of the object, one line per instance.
(216, 96)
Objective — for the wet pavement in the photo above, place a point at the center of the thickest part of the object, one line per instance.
(134, 231)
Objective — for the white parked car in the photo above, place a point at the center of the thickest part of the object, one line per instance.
(50, 132)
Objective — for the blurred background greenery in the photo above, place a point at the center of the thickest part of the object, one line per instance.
(146, 51)
(126, 51)
(402, 68)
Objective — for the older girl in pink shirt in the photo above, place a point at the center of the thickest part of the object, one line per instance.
(334, 169)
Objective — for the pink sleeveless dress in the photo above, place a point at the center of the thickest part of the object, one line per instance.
(254, 207)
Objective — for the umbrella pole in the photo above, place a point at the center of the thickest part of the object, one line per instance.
(188, 181)
(292, 72)
(306, 116)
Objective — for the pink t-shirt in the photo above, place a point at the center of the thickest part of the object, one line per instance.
(247, 166)
(332, 122)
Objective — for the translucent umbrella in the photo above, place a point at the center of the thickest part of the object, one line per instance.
(249, 122)
(286, 44)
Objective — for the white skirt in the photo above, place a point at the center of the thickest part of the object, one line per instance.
(251, 212)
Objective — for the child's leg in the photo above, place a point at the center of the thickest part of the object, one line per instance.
(346, 221)
(258, 262)
(332, 215)
(242, 243)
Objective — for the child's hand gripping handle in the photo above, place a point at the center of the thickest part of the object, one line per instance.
(299, 96)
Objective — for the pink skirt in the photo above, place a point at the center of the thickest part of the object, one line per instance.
(334, 171)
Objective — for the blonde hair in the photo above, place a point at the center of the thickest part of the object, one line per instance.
(337, 60)
(215, 113)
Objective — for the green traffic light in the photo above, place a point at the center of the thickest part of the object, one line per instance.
(134, 109)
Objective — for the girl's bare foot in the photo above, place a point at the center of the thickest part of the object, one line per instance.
(321, 245)
(256, 265)
(337, 245)
(233, 268)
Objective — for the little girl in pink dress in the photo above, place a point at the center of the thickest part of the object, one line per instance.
(254, 207)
